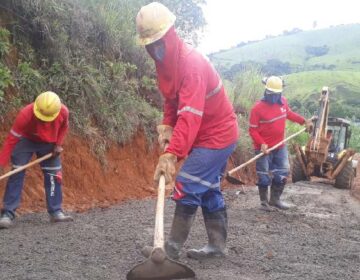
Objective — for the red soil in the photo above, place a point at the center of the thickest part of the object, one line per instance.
(86, 183)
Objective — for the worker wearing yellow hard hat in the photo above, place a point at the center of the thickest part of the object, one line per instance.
(39, 128)
(199, 125)
(267, 128)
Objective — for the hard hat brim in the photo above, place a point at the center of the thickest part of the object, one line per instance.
(143, 41)
(42, 117)
(274, 90)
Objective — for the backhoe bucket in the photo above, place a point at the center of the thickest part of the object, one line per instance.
(159, 267)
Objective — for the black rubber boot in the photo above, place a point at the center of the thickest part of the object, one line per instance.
(264, 202)
(276, 191)
(181, 225)
(216, 228)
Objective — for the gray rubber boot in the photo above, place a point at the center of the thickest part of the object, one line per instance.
(276, 191)
(216, 228)
(264, 202)
(183, 219)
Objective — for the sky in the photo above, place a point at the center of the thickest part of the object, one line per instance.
(233, 21)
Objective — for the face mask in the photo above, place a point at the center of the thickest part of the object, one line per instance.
(156, 50)
(272, 98)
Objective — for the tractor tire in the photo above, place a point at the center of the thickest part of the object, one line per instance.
(345, 179)
(297, 173)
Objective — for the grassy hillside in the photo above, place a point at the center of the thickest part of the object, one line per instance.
(84, 50)
(304, 88)
(308, 60)
(341, 41)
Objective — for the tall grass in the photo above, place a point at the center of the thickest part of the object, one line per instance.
(85, 51)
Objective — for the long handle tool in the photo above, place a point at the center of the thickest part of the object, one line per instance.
(236, 181)
(16, 170)
(158, 266)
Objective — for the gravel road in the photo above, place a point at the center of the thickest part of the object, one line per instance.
(319, 238)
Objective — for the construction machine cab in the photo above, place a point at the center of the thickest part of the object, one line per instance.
(340, 132)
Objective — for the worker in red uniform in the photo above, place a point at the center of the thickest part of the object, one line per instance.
(199, 125)
(267, 128)
(39, 128)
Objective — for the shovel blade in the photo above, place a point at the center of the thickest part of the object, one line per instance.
(233, 180)
(167, 270)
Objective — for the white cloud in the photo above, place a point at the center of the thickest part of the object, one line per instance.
(231, 21)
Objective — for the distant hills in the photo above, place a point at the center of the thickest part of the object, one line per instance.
(308, 60)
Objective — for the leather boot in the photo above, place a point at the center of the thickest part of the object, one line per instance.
(216, 228)
(181, 225)
(276, 191)
(264, 203)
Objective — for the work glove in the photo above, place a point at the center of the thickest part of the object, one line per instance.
(165, 133)
(166, 167)
(57, 151)
(309, 125)
(264, 148)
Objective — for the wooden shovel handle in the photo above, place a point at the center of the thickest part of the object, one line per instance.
(16, 170)
(268, 150)
(159, 216)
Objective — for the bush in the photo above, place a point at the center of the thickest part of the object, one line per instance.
(317, 51)
(4, 42)
(5, 80)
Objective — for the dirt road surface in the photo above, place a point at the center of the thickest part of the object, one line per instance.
(319, 238)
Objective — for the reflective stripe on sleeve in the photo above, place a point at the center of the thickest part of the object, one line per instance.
(15, 133)
(191, 110)
(253, 125)
(274, 119)
(215, 90)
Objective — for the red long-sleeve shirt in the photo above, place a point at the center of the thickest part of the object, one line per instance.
(267, 122)
(196, 104)
(27, 125)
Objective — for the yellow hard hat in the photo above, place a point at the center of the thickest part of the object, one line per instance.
(152, 23)
(47, 106)
(274, 84)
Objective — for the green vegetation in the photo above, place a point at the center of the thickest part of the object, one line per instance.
(355, 137)
(243, 93)
(5, 73)
(308, 60)
(304, 89)
(308, 50)
(85, 51)
(4, 42)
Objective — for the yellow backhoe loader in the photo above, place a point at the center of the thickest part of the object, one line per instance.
(327, 153)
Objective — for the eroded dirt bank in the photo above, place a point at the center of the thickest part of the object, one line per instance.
(317, 239)
(87, 184)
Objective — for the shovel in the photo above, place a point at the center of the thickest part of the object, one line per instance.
(16, 170)
(158, 266)
(236, 181)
